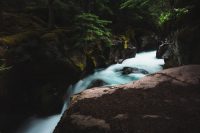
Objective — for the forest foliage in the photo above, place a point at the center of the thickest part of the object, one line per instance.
(91, 30)
(94, 18)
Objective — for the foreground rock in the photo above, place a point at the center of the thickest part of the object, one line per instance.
(165, 102)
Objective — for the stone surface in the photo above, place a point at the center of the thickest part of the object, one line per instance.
(162, 50)
(182, 48)
(119, 52)
(129, 70)
(167, 102)
(97, 83)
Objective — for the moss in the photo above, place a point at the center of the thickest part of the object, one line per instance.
(17, 38)
(4, 68)
(50, 36)
(81, 66)
(94, 61)
(78, 62)
(125, 41)
(56, 35)
(125, 44)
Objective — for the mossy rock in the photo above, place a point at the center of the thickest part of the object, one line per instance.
(125, 41)
(16, 39)
(58, 39)
(78, 59)
(51, 36)
(4, 68)
(55, 34)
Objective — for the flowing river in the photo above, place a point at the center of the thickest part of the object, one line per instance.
(110, 75)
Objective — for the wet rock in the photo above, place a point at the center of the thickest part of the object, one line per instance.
(167, 101)
(145, 40)
(163, 48)
(119, 51)
(148, 42)
(183, 48)
(129, 70)
(97, 83)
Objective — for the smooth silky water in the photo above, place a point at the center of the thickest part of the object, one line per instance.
(110, 75)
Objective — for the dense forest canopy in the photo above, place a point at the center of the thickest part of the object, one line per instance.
(146, 14)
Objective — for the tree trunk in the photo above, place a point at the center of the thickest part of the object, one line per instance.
(172, 2)
(1, 14)
(51, 21)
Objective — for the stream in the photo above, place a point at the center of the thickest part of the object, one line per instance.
(111, 75)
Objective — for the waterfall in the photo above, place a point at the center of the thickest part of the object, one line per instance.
(111, 75)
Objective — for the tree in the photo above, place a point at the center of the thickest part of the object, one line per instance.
(141, 13)
(90, 30)
(1, 12)
(51, 19)
(97, 7)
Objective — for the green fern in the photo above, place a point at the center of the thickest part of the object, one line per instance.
(90, 29)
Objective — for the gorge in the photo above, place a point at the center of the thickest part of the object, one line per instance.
(111, 76)
(99, 66)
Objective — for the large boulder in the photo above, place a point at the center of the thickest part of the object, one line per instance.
(167, 102)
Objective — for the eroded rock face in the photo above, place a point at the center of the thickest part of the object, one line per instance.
(167, 102)
(147, 42)
(162, 50)
(119, 52)
(182, 48)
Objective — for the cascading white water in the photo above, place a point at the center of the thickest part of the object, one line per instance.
(110, 75)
